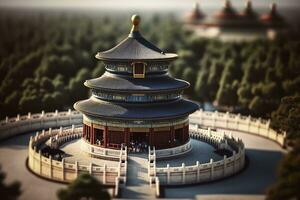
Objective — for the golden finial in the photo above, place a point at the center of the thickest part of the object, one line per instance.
(248, 4)
(196, 6)
(273, 7)
(227, 4)
(135, 20)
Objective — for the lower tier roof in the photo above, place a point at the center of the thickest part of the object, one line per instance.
(122, 83)
(130, 111)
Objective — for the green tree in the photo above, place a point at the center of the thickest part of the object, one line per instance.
(287, 116)
(287, 186)
(85, 186)
(9, 191)
(201, 90)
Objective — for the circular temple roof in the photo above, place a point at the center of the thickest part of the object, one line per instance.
(147, 111)
(135, 47)
(123, 83)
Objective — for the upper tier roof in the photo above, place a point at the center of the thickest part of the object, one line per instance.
(273, 17)
(248, 11)
(135, 47)
(227, 12)
(123, 83)
(195, 15)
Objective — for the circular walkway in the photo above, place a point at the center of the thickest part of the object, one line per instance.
(263, 155)
(201, 152)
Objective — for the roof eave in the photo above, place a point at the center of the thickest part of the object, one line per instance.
(167, 58)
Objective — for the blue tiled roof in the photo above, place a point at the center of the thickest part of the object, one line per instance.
(99, 108)
(122, 83)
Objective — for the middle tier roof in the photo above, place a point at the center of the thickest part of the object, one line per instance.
(131, 111)
(123, 83)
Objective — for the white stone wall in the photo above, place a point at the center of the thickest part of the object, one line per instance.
(32, 122)
(173, 152)
(104, 153)
(205, 172)
(237, 122)
(63, 170)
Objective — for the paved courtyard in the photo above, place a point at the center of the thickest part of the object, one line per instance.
(201, 152)
(263, 155)
(72, 148)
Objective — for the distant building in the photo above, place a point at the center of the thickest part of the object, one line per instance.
(136, 101)
(196, 16)
(230, 25)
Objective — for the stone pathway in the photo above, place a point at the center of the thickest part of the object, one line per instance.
(137, 186)
(263, 154)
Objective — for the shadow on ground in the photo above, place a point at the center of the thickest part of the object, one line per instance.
(259, 175)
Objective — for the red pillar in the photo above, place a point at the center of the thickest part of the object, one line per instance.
(172, 136)
(83, 131)
(126, 136)
(105, 136)
(183, 135)
(151, 142)
(92, 135)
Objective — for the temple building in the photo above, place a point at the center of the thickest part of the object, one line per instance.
(136, 100)
(227, 24)
(195, 17)
(274, 22)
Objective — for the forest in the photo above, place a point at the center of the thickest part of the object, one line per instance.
(45, 58)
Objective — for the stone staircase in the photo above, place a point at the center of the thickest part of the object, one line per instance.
(137, 186)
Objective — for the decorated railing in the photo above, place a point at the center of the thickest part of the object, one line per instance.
(38, 121)
(105, 153)
(173, 152)
(65, 171)
(201, 172)
(237, 122)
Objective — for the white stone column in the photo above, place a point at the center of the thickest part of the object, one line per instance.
(76, 169)
(211, 169)
(104, 174)
(63, 169)
(198, 171)
(70, 115)
(226, 119)
(234, 156)
(183, 173)
(50, 166)
(91, 168)
(40, 160)
(168, 173)
(225, 166)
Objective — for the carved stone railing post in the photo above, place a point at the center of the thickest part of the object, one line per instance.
(183, 173)
(50, 166)
(168, 173)
(63, 169)
(225, 166)
(212, 169)
(198, 171)
(104, 174)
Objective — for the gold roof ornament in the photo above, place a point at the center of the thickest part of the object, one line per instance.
(273, 8)
(135, 20)
(227, 4)
(248, 5)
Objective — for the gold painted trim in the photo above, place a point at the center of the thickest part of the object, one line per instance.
(138, 75)
(113, 128)
(139, 130)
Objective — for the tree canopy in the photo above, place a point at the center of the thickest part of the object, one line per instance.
(85, 186)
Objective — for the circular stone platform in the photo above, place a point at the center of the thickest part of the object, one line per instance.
(261, 151)
(74, 153)
(201, 151)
